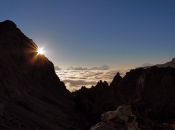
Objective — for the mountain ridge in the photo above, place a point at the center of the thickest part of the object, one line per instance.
(167, 64)
(149, 91)
(32, 95)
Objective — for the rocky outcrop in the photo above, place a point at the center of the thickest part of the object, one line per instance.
(115, 82)
(31, 94)
(97, 100)
(151, 94)
(120, 119)
(89, 100)
(94, 101)
(149, 91)
(101, 95)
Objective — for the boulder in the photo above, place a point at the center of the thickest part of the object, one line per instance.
(120, 119)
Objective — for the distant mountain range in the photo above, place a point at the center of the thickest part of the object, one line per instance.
(103, 67)
(146, 64)
(57, 68)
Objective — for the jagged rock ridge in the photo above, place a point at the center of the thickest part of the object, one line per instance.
(149, 91)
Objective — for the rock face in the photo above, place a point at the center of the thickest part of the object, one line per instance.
(115, 82)
(89, 97)
(149, 91)
(97, 100)
(151, 94)
(120, 119)
(31, 94)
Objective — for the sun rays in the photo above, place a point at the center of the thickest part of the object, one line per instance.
(36, 56)
(40, 51)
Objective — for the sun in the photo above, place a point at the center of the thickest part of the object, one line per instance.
(40, 51)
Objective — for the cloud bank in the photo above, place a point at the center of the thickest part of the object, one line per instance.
(104, 67)
(75, 79)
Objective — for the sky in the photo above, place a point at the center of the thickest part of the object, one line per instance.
(122, 34)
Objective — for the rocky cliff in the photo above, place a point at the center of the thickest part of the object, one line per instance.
(150, 92)
(31, 94)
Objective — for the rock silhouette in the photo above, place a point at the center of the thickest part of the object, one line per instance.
(150, 92)
(31, 94)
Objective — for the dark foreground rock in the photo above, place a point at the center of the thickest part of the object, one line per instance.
(120, 119)
(150, 92)
(31, 94)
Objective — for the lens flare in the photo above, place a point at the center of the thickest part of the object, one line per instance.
(40, 51)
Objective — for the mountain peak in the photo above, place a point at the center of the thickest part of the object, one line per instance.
(8, 24)
(29, 84)
(146, 64)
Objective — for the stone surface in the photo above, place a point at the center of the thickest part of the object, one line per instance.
(31, 93)
(149, 91)
(117, 120)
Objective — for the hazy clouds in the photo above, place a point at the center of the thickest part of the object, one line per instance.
(103, 67)
(75, 79)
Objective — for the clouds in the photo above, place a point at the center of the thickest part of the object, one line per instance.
(103, 67)
(75, 79)
(73, 85)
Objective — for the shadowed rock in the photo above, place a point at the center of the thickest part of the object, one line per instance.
(33, 95)
(150, 92)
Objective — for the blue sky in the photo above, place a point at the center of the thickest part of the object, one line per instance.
(86, 33)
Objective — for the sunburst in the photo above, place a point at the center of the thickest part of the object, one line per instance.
(40, 51)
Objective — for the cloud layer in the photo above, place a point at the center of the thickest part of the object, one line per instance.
(75, 79)
(103, 67)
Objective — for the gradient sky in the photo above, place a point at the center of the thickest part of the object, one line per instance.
(86, 33)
